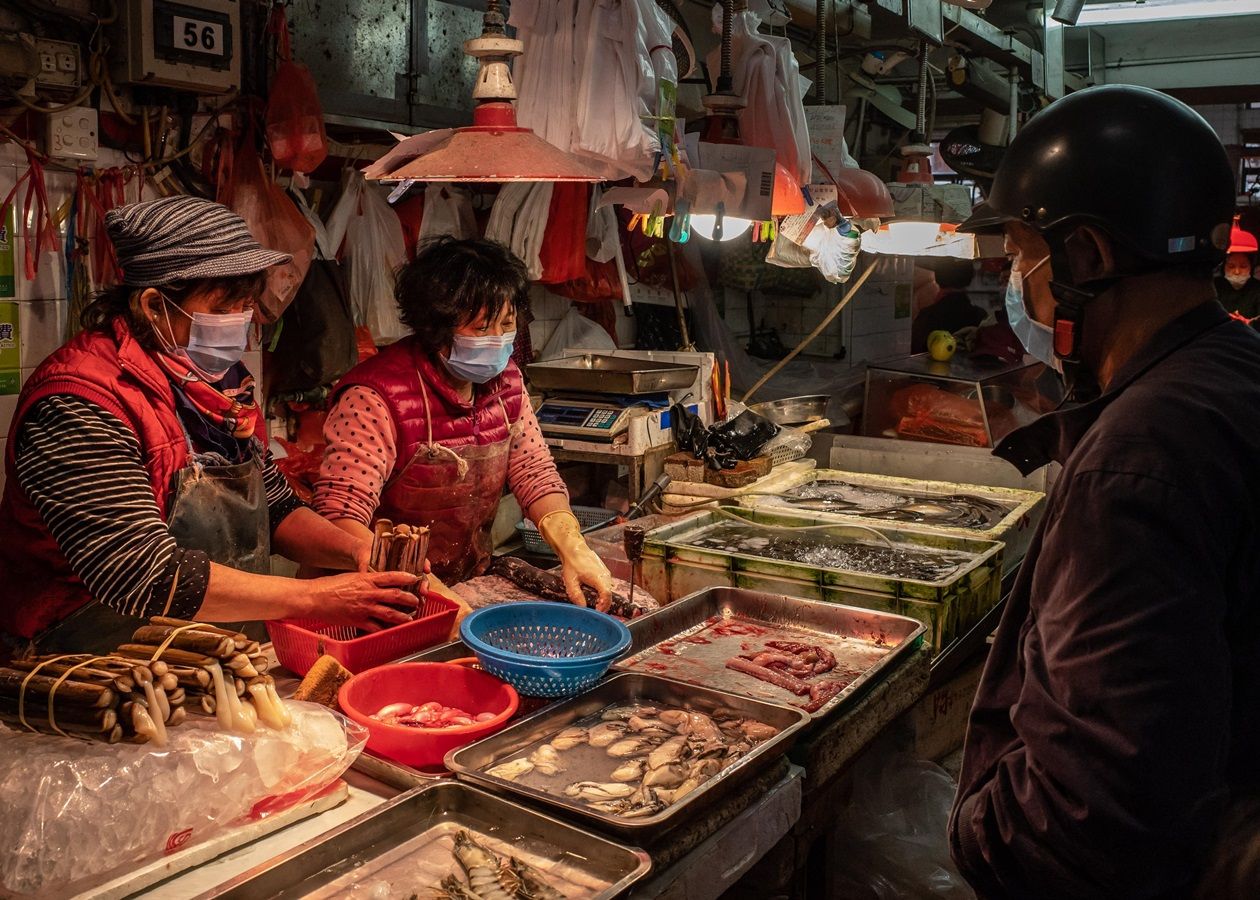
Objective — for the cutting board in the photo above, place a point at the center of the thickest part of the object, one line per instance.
(781, 478)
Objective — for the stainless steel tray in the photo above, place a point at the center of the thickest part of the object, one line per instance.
(592, 373)
(404, 845)
(685, 641)
(471, 761)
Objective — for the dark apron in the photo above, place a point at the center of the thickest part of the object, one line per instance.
(218, 509)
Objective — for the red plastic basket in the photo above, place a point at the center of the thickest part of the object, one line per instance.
(299, 642)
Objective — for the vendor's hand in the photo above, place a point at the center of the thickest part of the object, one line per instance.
(368, 601)
(583, 567)
(363, 556)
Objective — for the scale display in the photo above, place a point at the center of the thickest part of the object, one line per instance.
(586, 419)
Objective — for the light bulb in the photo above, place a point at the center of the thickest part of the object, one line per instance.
(902, 238)
(703, 224)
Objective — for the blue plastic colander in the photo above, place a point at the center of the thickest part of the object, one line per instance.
(545, 649)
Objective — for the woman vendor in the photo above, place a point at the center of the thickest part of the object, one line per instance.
(137, 483)
(430, 430)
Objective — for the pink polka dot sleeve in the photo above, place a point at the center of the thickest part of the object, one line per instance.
(532, 472)
(359, 457)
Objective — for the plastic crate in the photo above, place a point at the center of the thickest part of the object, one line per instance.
(299, 642)
(586, 516)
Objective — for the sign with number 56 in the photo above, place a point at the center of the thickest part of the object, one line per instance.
(195, 36)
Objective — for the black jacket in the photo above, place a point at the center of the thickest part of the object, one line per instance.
(1120, 705)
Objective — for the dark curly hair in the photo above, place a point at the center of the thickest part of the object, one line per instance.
(124, 300)
(452, 282)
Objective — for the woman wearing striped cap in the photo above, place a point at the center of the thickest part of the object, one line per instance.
(138, 482)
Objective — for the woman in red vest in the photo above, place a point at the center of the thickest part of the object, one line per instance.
(137, 479)
(431, 430)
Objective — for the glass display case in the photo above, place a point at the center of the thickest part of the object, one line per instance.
(961, 402)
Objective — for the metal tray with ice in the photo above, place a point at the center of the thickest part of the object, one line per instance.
(405, 848)
(694, 638)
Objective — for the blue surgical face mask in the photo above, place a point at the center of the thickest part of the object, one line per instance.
(478, 359)
(216, 341)
(1037, 339)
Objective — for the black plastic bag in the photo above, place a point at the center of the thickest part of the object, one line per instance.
(316, 344)
(743, 436)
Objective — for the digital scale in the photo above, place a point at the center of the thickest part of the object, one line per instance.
(598, 420)
(592, 397)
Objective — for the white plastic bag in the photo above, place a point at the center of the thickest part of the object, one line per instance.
(77, 813)
(575, 331)
(832, 253)
(370, 236)
(447, 210)
(766, 75)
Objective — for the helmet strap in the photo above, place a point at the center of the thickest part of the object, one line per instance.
(1069, 322)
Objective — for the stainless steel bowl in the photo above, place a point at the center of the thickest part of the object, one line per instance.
(793, 410)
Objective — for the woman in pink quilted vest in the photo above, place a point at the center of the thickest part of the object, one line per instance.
(138, 483)
(430, 430)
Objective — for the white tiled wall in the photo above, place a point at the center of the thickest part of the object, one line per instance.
(1229, 119)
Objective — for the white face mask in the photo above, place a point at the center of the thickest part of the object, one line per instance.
(216, 341)
(1237, 279)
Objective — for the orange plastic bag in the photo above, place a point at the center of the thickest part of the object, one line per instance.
(275, 222)
(295, 121)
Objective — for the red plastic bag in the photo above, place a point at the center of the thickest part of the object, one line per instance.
(295, 121)
(563, 253)
(274, 221)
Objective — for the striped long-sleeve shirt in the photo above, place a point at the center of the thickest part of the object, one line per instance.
(83, 470)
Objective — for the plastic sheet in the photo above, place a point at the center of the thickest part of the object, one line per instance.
(576, 331)
(894, 832)
(78, 813)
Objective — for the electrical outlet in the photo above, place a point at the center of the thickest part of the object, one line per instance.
(72, 134)
(59, 64)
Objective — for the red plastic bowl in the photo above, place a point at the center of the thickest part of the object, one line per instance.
(451, 684)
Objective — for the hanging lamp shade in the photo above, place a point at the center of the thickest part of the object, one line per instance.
(494, 148)
(862, 195)
(1241, 241)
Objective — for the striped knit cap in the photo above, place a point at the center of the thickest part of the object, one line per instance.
(183, 238)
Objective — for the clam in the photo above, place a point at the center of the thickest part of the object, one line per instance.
(622, 713)
(569, 738)
(594, 791)
(668, 752)
(670, 775)
(547, 760)
(628, 771)
(633, 746)
(757, 731)
(512, 770)
(606, 733)
(652, 727)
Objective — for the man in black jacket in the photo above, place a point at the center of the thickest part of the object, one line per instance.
(1119, 712)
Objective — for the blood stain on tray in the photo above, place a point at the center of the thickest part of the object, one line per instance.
(697, 639)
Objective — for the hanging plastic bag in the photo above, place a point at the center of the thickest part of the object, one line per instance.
(315, 344)
(275, 222)
(295, 121)
(373, 250)
(563, 253)
(448, 210)
(576, 332)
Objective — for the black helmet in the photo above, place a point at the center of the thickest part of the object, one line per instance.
(1142, 166)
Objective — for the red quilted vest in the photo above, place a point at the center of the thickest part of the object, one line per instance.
(395, 375)
(118, 375)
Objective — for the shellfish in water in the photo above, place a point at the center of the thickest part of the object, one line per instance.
(622, 713)
(670, 775)
(593, 791)
(570, 738)
(628, 771)
(513, 770)
(483, 869)
(668, 752)
(634, 746)
(606, 733)
(547, 760)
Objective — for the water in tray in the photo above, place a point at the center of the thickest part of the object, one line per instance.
(832, 552)
(956, 510)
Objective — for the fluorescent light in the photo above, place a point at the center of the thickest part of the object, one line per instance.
(910, 238)
(1164, 11)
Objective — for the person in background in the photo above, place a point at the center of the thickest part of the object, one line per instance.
(1115, 720)
(1237, 290)
(429, 431)
(952, 310)
(137, 480)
